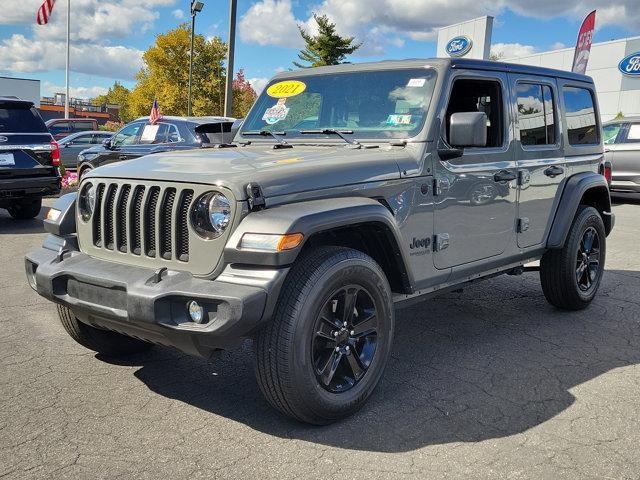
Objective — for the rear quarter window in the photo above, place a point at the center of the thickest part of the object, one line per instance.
(21, 120)
(582, 125)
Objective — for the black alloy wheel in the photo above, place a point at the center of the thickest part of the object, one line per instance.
(345, 339)
(588, 260)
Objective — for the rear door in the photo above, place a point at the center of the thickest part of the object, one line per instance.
(25, 143)
(541, 162)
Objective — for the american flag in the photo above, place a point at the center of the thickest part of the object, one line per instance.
(154, 116)
(44, 12)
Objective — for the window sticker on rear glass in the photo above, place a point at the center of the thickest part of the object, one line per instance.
(395, 119)
(416, 82)
(149, 133)
(288, 88)
(276, 113)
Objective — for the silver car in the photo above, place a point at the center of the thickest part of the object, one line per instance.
(72, 145)
(622, 149)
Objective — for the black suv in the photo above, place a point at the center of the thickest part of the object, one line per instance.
(29, 159)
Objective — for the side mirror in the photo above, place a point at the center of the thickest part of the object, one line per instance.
(106, 143)
(468, 129)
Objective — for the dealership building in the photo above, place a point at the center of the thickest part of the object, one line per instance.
(610, 63)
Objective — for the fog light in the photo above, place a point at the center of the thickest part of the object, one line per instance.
(196, 312)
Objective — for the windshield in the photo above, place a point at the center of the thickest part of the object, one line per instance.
(377, 104)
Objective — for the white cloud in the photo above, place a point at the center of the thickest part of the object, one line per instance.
(270, 22)
(49, 89)
(20, 54)
(511, 50)
(258, 83)
(558, 46)
(178, 13)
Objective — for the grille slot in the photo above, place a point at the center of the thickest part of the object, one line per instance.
(121, 231)
(150, 217)
(166, 214)
(143, 220)
(109, 202)
(182, 226)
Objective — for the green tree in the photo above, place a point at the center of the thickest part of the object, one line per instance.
(165, 75)
(325, 48)
(116, 95)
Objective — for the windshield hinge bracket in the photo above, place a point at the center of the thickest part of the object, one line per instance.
(254, 197)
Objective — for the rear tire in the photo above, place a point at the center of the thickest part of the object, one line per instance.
(311, 363)
(571, 276)
(25, 209)
(106, 342)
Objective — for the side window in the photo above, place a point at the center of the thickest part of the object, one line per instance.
(633, 135)
(581, 116)
(173, 135)
(610, 132)
(59, 127)
(536, 114)
(82, 140)
(471, 95)
(81, 126)
(127, 135)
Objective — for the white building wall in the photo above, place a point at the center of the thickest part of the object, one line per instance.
(616, 92)
(23, 88)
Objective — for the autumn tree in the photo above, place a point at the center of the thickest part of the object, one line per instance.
(243, 95)
(165, 75)
(325, 48)
(116, 95)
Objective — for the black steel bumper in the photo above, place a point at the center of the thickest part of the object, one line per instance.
(16, 188)
(132, 301)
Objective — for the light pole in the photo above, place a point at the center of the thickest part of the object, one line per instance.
(228, 95)
(195, 8)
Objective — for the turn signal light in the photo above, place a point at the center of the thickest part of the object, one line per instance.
(607, 173)
(270, 242)
(55, 153)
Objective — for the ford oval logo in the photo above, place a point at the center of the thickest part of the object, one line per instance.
(630, 65)
(458, 46)
(3, 139)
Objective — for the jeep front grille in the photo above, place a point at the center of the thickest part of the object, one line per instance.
(146, 221)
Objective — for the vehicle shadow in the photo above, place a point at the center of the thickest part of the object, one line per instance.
(10, 226)
(492, 361)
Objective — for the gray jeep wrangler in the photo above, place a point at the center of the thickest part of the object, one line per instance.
(349, 190)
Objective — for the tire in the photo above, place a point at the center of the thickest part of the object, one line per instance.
(25, 209)
(290, 354)
(568, 282)
(108, 343)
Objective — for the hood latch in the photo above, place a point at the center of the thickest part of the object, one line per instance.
(255, 198)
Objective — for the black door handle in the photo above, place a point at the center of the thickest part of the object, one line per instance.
(554, 171)
(122, 157)
(504, 176)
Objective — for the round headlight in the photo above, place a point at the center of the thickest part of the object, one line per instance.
(211, 214)
(87, 201)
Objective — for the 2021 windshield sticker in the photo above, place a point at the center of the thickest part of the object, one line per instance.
(287, 88)
(276, 113)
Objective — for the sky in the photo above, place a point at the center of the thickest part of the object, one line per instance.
(109, 37)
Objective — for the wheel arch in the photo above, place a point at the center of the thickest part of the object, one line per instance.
(586, 188)
(363, 224)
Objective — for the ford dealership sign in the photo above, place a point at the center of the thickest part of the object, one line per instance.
(630, 65)
(458, 46)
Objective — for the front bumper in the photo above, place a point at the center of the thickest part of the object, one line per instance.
(131, 300)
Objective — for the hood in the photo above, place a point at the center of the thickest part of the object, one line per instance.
(277, 171)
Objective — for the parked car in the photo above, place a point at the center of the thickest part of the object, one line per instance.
(73, 144)
(622, 149)
(140, 138)
(306, 240)
(29, 159)
(61, 127)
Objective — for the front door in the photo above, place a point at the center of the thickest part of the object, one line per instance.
(475, 194)
(541, 162)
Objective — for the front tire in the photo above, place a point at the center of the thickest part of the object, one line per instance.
(571, 276)
(25, 209)
(108, 343)
(324, 351)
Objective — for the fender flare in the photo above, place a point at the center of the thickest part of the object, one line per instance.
(309, 218)
(574, 190)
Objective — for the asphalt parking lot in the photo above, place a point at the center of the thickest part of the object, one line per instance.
(488, 383)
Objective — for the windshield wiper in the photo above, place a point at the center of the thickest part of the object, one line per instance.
(267, 133)
(333, 131)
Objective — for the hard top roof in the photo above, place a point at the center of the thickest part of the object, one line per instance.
(439, 63)
(205, 119)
